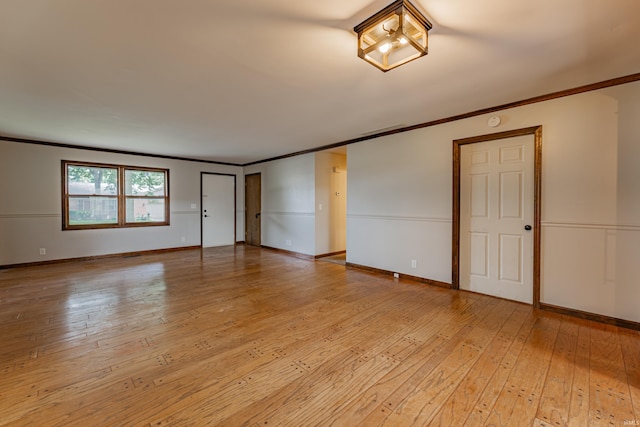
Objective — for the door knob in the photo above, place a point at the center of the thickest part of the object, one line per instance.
(206, 216)
(527, 227)
(258, 215)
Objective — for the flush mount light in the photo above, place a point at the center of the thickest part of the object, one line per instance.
(394, 36)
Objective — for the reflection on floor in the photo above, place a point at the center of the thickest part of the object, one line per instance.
(336, 259)
(240, 335)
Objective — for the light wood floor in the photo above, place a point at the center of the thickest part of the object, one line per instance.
(251, 337)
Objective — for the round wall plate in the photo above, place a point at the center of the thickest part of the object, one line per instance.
(493, 121)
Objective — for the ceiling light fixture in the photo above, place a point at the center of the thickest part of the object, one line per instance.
(394, 36)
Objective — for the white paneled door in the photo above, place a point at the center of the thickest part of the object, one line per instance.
(218, 210)
(496, 217)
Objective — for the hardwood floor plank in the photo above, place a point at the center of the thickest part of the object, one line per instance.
(609, 398)
(579, 403)
(370, 361)
(233, 359)
(491, 392)
(519, 399)
(453, 335)
(631, 354)
(456, 409)
(369, 400)
(245, 336)
(553, 409)
(430, 395)
(349, 340)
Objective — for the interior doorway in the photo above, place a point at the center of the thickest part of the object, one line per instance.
(218, 202)
(496, 214)
(253, 207)
(331, 204)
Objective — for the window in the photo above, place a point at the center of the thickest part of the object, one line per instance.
(111, 196)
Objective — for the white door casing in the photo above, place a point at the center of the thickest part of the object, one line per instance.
(496, 205)
(218, 210)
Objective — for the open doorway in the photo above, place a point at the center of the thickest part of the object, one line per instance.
(331, 205)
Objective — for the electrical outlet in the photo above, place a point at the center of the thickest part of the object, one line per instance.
(414, 263)
(396, 275)
(184, 239)
(194, 206)
(43, 251)
(288, 242)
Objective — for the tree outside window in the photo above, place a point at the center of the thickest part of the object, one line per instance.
(107, 196)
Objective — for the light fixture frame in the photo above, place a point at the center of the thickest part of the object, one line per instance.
(401, 8)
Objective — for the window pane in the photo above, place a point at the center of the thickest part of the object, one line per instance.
(93, 210)
(92, 180)
(145, 210)
(144, 183)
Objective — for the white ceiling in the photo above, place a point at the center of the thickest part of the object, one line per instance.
(245, 80)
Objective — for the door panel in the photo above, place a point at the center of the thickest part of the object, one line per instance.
(218, 210)
(479, 255)
(511, 195)
(480, 195)
(511, 248)
(253, 185)
(496, 203)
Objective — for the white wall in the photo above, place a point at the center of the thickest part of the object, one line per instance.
(31, 213)
(331, 202)
(399, 203)
(400, 191)
(288, 203)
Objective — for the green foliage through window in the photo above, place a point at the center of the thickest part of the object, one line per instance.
(105, 196)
